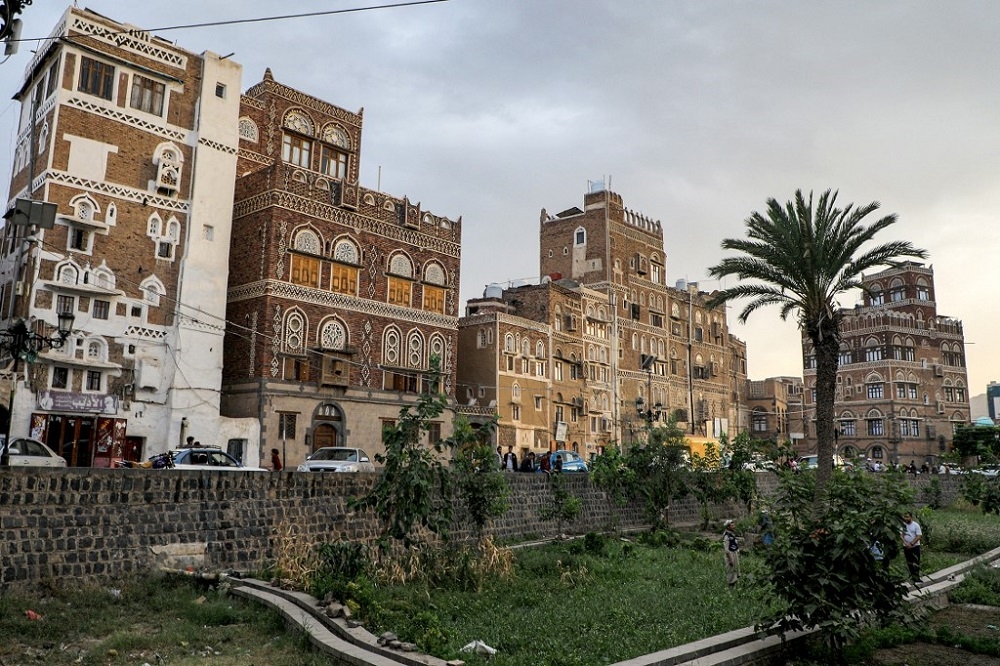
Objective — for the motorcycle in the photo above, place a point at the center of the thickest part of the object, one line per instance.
(159, 461)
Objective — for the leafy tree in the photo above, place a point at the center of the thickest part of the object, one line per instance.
(481, 485)
(801, 257)
(980, 441)
(821, 563)
(660, 471)
(611, 473)
(413, 492)
(564, 506)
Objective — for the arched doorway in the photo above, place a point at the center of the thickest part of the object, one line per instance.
(325, 434)
(328, 427)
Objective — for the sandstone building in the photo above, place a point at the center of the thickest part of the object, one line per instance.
(606, 308)
(134, 140)
(902, 386)
(339, 295)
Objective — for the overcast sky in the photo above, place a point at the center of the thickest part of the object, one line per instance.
(698, 111)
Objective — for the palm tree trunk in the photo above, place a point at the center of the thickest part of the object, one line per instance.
(827, 348)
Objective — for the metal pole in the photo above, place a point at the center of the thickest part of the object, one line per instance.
(5, 456)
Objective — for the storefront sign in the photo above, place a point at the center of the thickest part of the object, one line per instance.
(67, 401)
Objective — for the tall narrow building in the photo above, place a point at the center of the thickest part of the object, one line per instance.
(134, 141)
(339, 295)
(902, 387)
(626, 350)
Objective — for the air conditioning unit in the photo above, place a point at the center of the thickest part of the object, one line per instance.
(938, 371)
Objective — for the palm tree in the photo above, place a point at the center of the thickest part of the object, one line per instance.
(802, 258)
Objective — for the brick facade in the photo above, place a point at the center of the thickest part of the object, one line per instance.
(902, 385)
(342, 294)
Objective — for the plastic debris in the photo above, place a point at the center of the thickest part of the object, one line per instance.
(479, 647)
(32, 615)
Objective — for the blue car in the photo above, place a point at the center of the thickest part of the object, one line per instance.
(571, 461)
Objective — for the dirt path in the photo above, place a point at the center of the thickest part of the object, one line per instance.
(969, 620)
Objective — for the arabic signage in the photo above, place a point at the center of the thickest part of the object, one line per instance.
(68, 401)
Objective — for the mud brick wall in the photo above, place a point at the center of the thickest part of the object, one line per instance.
(98, 525)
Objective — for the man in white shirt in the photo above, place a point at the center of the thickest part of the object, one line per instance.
(911, 545)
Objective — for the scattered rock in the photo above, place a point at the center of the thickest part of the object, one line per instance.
(334, 609)
(407, 647)
(387, 637)
(353, 624)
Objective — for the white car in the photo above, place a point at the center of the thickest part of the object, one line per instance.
(26, 452)
(337, 459)
(209, 458)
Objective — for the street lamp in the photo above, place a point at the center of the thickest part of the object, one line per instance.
(22, 343)
(648, 415)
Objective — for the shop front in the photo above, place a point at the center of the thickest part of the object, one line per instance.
(81, 427)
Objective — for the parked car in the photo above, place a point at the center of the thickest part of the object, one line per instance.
(337, 459)
(209, 457)
(989, 471)
(812, 462)
(571, 461)
(27, 452)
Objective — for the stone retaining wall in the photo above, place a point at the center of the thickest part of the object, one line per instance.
(105, 524)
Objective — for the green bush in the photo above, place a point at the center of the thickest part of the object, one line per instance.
(981, 586)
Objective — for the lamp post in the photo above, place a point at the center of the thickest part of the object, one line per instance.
(651, 413)
(22, 343)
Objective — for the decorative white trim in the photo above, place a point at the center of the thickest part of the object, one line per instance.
(331, 299)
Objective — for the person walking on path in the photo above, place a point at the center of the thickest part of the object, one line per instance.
(911, 545)
(276, 461)
(731, 548)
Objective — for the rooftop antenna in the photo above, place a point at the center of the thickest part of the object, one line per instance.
(378, 183)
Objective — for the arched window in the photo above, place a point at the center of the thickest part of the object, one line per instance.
(295, 329)
(580, 236)
(434, 274)
(152, 289)
(391, 346)
(248, 130)
(333, 335)
(169, 161)
(540, 349)
(299, 121)
(336, 135)
(400, 264)
(306, 240)
(68, 274)
(415, 350)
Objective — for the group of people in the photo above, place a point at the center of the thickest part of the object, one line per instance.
(530, 463)
(910, 535)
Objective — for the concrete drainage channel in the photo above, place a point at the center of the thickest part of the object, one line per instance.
(356, 646)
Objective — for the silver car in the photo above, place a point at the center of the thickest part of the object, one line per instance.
(26, 452)
(337, 459)
(209, 458)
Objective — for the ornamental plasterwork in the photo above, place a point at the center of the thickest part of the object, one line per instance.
(330, 213)
(299, 121)
(306, 101)
(251, 368)
(144, 333)
(272, 127)
(331, 299)
(248, 130)
(134, 40)
(119, 191)
(374, 258)
(276, 341)
(222, 148)
(538, 327)
(366, 352)
(282, 246)
(254, 157)
(138, 123)
(336, 135)
(346, 251)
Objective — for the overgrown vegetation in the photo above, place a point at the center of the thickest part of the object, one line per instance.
(822, 564)
(563, 507)
(148, 620)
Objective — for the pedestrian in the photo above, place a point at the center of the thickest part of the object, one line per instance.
(276, 461)
(528, 463)
(731, 548)
(766, 528)
(545, 463)
(189, 442)
(500, 458)
(911, 545)
(510, 460)
(913, 468)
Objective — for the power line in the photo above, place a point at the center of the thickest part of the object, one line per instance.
(263, 19)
